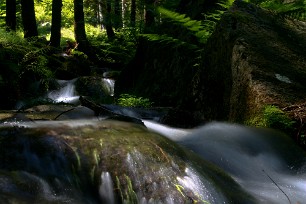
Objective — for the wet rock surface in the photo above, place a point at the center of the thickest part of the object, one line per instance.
(83, 161)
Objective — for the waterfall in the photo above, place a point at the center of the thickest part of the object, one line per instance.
(106, 189)
(109, 85)
(66, 93)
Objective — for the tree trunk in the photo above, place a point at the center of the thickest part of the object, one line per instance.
(79, 26)
(79, 31)
(10, 19)
(124, 13)
(107, 21)
(133, 13)
(55, 39)
(28, 18)
(118, 14)
(149, 15)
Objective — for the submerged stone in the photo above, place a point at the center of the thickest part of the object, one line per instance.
(90, 161)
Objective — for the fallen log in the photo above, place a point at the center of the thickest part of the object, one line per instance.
(101, 110)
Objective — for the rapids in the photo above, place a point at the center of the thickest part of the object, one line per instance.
(266, 163)
(81, 158)
(93, 161)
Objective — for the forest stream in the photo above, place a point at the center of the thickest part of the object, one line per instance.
(83, 158)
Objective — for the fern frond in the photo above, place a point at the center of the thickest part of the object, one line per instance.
(196, 27)
(168, 40)
(295, 9)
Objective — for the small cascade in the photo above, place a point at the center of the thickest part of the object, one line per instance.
(109, 86)
(66, 93)
(92, 161)
(106, 190)
(106, 161)
(267, 164)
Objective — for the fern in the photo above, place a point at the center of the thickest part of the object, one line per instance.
(201, 29)
(165, 40)
(294, 9)
(36, 61)
(196, 27)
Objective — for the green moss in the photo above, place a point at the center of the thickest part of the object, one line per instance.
(272, 117)
(133, 101)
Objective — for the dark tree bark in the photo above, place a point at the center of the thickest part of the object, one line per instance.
(10, 19)
(28, 18)
(79, 26)
(56, 23)
(149, 15)
(118, 14)
(109, 28)
(107, 21)
(98, 14)
(79, 32)
(133, 13)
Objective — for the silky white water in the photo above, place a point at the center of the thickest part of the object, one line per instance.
(266, 164)
(66, 93)
(109, 85)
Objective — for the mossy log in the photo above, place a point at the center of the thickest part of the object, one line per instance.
(101, 110)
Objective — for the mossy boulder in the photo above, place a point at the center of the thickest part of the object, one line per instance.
(253, 59)
(97, 88)
(105, 161)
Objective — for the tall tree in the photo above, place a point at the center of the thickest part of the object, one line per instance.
(133, 13)
(79, 31)
(149, 15)
(107, 21)
(79, 25)
(10, 18)
(124, 12)
(28, 18)
(56, 23)
(118, 14)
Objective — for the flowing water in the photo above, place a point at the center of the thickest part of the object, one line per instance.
(267, 164)
(94, 160)
(66, 93)
(109, 85)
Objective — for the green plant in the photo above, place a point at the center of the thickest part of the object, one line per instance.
(133, 101)
(293, 9)
(273, 117)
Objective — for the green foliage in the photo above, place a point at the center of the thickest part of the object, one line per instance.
(293, 9)
(200, 29)
(120, 50)
(36, 61)
(133, 101)
(196, 27)
(165, 40)
(273, 117)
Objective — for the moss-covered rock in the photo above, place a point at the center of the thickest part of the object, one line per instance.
(97, 88)
(252, 60)
(105, 161)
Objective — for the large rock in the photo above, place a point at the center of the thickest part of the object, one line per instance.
(87, 161)
(253, 58)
